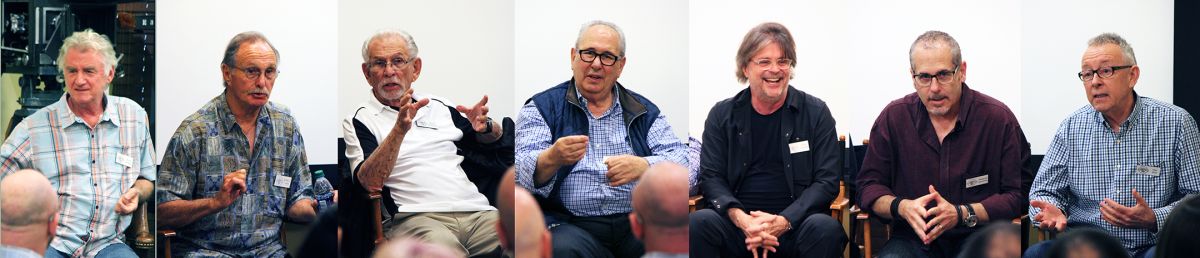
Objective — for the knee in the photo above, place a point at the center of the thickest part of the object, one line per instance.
(824, 225)
(571, 241)
(704, 217)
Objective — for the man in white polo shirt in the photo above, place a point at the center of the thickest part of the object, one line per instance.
(426, 152)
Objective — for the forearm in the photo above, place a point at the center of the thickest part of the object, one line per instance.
(883, 207)
(145, 189)
(383, 159)
(545, 168)
(981, 213)
(179, 213)
(302, 211)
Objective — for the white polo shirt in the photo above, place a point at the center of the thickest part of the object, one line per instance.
(427, 176)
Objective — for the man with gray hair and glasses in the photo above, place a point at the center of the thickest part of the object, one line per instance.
(94, 148)
(583, 144)
(1119, 164)
(236, 169)
(436, 162)
(944, 160)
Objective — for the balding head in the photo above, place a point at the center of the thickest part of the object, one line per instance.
(534, 240)
(29, 207)
(660, 208)
(504, 199)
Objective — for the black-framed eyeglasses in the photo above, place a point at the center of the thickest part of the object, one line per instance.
(252, 73)
(943, 76)
(395, 63)
(1104, 72)
(606, 58)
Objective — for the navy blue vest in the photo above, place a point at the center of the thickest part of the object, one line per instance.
(566, 116)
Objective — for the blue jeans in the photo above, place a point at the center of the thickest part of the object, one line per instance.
(1039, 250)
(117, 250)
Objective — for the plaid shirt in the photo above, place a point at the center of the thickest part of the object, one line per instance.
(586, 191)
(208, 145)
(1087, 162)
(89, 167)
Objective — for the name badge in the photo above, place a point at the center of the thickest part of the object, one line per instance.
(798, 147)
(977, 181)
(124, 160)
(1148, 170)
(283, 181)
(425, 124)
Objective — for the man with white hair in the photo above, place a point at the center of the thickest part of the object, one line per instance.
(28, 214)
(436, 161)
(94, 148)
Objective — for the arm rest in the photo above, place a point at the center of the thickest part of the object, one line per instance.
(692, 201)
(376, 206)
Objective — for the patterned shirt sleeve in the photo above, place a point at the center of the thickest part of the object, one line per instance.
(178, 168)
(301, 187)
(1051, 183)
(664, 144)
(533, 137)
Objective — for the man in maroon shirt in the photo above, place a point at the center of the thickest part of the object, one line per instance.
(944, 160)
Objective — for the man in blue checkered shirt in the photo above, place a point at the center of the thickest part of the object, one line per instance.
(582, 145)
(1119, 165)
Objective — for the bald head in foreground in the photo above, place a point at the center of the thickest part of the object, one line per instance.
(660, 211)
(28, 214)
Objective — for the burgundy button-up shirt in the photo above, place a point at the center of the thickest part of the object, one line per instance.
(904, 156)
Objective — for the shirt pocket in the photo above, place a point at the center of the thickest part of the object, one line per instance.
(801, 165)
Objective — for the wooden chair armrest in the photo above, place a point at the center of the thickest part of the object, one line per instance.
(692, 201)
(376, 211)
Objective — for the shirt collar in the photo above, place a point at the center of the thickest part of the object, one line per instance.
(228, 121)
(1138, 106)
(67, 118)
(616, 98)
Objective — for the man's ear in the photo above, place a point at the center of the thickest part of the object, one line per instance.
(547, 245)
(635, 225)
(416, 69)
(226, 74)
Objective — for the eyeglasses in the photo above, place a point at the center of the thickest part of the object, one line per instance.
(252, 73)
(394, 63)
(606, 58)
(1104, 72)
(765, 63)
(943, 76)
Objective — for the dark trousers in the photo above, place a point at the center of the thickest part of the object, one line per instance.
(603, 236)
(909, 246)
(714, 235)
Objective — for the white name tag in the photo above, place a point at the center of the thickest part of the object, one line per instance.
(1148, 170)
(124, 160)
(283, 181)
(798, 147)
(426, 124)
(977, 181)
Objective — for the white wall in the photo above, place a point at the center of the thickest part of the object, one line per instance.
(191, 42)
(656, 44)
(1055, 36)
(854, 55)
(466, 48)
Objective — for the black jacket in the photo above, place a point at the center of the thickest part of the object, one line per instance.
(727, 147)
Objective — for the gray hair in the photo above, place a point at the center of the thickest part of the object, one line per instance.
(235, 44)
(758, 38)
(621, 34)
(930, 39)
(89, 40)
(1113, 38)
(408, 39)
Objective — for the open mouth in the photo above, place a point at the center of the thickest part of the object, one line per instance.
(259, 95)
(1099, 96)
(391, 86)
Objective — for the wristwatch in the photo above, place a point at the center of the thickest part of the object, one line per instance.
(971, 220)
(488, 129)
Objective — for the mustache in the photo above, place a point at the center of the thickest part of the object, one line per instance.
(259, 91)
(937, 97)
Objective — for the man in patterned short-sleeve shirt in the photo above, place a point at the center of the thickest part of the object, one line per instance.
(236, 169)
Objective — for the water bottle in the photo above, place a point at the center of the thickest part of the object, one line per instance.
(323, 190)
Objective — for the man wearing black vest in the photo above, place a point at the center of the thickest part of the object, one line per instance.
(583, 144)
(769, 163)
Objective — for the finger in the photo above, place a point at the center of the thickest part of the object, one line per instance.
(918, 226)
(753, 251)
(420, 104)
(463, 109)
(1138, 197)
(482, 102)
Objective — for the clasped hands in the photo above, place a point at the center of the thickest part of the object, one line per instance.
(762, 230)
